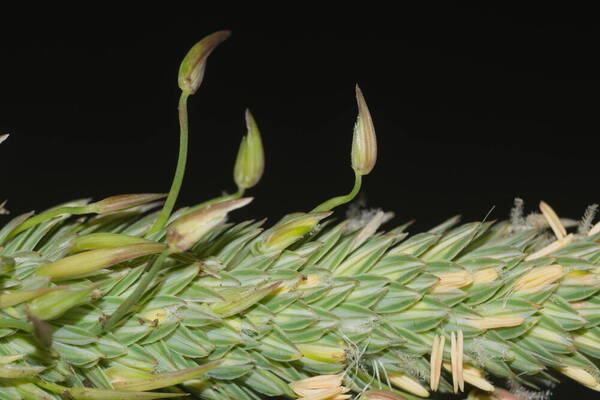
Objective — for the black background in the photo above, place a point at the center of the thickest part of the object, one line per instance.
(472, 107)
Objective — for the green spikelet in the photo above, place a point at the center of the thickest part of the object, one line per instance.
(112, 304)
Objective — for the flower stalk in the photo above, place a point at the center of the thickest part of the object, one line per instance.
(191, 73)
(364, 153)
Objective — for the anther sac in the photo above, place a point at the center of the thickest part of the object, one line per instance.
(123, 299)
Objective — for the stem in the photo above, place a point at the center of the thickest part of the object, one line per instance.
(180, 171)
(337, 201)
(141, 287)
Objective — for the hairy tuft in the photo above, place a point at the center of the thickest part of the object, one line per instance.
(587, 220)
(519, 391)
(517, 220)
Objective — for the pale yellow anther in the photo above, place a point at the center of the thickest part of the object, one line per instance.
(378, 394)
(460, 362)
(495, 322)
(580, 375)
(595, 229)
(473, 376)
(454, 361)
(321, 394)
(437, 356)
(553, 220)
(539, 277)
(551, 248)
(342, 397)
(485, 275)
(596, 387)
(432, 362)
(408, 384)
(318, 382)
(320, 387)
(451, 280)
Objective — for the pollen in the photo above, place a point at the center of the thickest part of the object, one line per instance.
(452, 280)
(538, 278)
(437, 356)
(485, 275)
(495, 322)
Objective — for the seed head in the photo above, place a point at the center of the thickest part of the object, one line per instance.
(250, 162)
(364, 142)
(191, 70)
